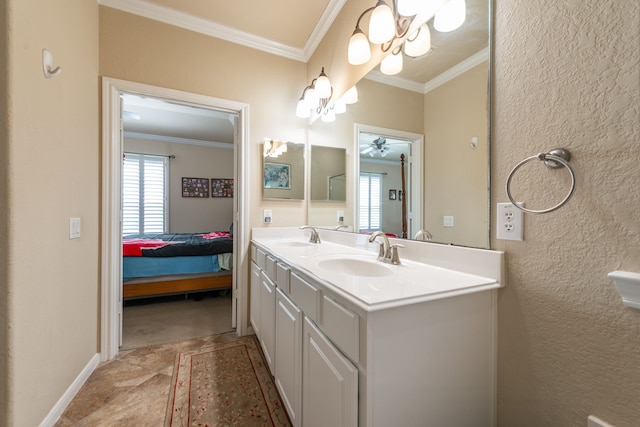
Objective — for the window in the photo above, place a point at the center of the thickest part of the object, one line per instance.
(144, 194)
(370, 201)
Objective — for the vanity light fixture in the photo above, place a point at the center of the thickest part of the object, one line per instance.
(450, 16)
(274, 148)
(317, 99)
(388, 24)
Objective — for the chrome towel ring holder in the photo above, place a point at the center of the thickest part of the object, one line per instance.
(554, 159)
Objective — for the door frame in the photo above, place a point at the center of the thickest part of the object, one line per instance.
(111, 196)
(415, 171)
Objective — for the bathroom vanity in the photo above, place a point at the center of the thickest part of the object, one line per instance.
(353, 341)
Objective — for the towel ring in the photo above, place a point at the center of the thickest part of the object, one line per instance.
(556, 158)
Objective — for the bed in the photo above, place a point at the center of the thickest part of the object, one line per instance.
(162, 264)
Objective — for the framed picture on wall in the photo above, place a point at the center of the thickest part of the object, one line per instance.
(392, 194)
(221, 187)
(277, 175)
(195, 187)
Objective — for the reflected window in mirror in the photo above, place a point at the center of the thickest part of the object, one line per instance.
(283, 170)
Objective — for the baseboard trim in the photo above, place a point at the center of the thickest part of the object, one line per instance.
(57, 410)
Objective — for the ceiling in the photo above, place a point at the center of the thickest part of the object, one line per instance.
(268, 26)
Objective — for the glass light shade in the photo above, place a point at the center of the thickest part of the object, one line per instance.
(302, 110)
(323, 86)
(311, 99)
(350, 96)
(382, 26)
(340, 107)
(391, 64)
(359, 49)
(409, 7)
(450, 16)
(418, 44)
(328, 116)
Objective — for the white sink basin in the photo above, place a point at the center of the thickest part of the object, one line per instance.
(355, 267)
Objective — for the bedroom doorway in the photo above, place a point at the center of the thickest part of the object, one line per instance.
(112, 170)
(176, 297)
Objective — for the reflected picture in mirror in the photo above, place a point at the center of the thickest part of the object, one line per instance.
(283, 170)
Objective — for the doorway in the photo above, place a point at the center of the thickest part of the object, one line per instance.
(378, 189)
(111, 190)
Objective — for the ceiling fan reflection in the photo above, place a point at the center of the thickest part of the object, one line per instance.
(378, 146)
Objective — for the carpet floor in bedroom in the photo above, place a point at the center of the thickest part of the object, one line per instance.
(168, 319)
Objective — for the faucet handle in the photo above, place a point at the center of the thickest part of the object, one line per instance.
(381, 251)
(395, 258)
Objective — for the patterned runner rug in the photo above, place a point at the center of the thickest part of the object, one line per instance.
(225, 384)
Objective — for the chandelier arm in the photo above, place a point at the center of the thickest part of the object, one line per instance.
(362, 15)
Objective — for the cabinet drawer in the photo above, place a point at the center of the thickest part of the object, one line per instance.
(270, 268)
(282, 277)
(261, 259)
(342, 327)
(305, 295)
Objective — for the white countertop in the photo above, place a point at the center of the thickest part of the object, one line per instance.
(407, 283)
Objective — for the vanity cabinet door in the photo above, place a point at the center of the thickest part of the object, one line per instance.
(254, 309)
(329, 382)
(267, 318)
(288, 364)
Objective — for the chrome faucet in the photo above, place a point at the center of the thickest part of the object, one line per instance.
(388, 252)
(384, 254)
(423, 235)
(314, 234)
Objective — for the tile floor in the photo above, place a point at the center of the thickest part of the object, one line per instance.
(132, 389)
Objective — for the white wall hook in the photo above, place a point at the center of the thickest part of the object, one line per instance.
(47, 65)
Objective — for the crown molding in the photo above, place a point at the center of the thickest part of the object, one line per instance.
(377, 76)
(176, 140)
(450, 74)
(458, 69)
(156, 12)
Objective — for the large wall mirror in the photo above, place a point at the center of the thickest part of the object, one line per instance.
(443, 96)
(283, 170)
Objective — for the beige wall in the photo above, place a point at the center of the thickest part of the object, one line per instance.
(456, 175)
(190, 214)
(49, 283)
(140, 50)
(567, 74)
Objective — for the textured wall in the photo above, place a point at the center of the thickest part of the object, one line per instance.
(567, 74)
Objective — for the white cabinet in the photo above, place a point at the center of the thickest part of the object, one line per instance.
(267, 322)
(288, 363)
(329, 383)
(254, 309)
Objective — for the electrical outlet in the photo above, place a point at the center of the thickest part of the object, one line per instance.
(340, 216)
(267, 216)
(509, 222)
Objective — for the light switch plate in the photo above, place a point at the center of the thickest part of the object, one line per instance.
(447, 221)
(74, 228)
